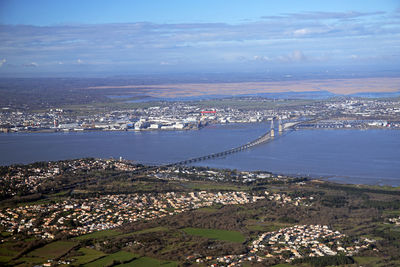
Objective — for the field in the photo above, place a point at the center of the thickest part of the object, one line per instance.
(5, 259)
(7, 249)
(118, 257)
(89, 256)
(53, 250)
(366, 260)
(148, 262)
(150, 230)
(220, 229)
(265, 226)
(224, 235)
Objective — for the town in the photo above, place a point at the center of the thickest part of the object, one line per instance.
(292, 243)
(83, 216)
(235, 217)
(30, 179)
(338, 113)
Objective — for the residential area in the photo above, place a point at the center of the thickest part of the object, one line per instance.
(292, 243)
(338, 113)
(82, 216)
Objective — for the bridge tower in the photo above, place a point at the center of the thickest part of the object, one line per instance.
(272, 128)
(280, 125)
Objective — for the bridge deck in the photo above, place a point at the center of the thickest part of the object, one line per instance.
(260, 140)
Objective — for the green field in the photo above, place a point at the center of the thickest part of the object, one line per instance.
(149, 230)
(224, 235)
(98, 234)
(30, 261)
(53, 250)
(255, 225)
(5, 234)
(392, 212)
(89, 256)
(366, 260)
(6, 249)
(4, 259)
(118, 257)
(207, 209)
(148, 262)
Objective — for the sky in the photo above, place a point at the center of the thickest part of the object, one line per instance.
(84, 37)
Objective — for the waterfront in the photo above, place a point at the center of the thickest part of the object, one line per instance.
(349, 156)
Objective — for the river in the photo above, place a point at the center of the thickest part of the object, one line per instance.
(346, 156)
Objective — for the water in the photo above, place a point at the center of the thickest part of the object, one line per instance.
(348, 156)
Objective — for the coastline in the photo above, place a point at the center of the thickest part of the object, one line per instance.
(33, 147)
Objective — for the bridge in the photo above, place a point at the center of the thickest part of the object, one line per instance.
(260, 140)
(269, 136)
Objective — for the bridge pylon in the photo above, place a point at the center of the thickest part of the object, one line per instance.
(280, 126)
(272, 132)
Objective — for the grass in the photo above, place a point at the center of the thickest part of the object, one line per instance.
(256, 227)
(5, 234)
(29, 261)
(118, 257)
(113, 233)
(366, 260)
(145, 231)
(89, 256)
(53, 250)
(148, 262)
(392, 212)
(176, 246)
(208, 210)
(6, 250)
(224, 235)
(98, 235)
(150, 230)
(265, 227)
(5, 259)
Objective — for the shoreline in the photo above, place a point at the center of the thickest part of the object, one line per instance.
(311, 177)
(375, 179)
(188, 129)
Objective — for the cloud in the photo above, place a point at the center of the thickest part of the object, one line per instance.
(152, 44)
(31, 65)
(165, 63)
(324, 15)
(2, 62)
(314, 31)
(295, 56)
(262, 58)
(300, 32)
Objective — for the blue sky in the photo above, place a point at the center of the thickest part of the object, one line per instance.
(120, 36)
